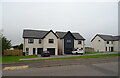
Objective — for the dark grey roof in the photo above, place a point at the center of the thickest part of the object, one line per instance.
(61, 34)
(76, 35)
(35, 33)
(117, 38)
(108, 37)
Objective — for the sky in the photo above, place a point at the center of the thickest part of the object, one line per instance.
(85, 17)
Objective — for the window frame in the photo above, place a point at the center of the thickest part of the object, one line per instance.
(27, 49)
(79, 42)
(29, 41)
(68, 41)
(51, 41)
(107, 42)
(40, 41)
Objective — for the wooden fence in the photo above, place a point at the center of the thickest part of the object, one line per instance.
(89, 49)
(13, 52)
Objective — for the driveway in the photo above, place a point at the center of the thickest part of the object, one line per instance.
(59, 56)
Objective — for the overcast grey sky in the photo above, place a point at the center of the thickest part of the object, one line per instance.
(87, 18)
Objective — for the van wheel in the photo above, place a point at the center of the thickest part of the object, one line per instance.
(81, 53)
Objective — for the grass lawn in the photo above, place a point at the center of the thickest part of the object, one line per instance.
(93, 52)
(13, 59)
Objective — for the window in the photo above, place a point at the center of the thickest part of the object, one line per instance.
(40, 41)
(99, 40)
(107, 42)
(81, 48)
(79, 42)
(30, 40)
(51, 40)
(111, 42)
(106, 48)
(27, 51)
(68, 41)
(109, 48)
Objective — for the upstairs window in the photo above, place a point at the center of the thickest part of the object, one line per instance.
(68, 41)
(30, 40)
(79, 42)
(51, 40)
(40, 41)
(81, 48)
(99, 40)
(107, 42)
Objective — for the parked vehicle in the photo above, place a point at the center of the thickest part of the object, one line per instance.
(45, 54)
(78, 51)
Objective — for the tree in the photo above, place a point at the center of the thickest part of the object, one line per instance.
(6, 44)
(18, 46)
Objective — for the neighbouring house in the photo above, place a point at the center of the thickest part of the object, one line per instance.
(36, 41)
(106, 43)
(68, 41)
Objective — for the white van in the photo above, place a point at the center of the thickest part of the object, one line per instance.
(78, 51)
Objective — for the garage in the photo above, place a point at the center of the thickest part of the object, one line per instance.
(68, 50)
(51, 50)
(39, 50)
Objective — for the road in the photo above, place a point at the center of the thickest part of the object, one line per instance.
(99, 69)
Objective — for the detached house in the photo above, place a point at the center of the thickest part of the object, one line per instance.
(68, 41)
(106, 43)
(59, 43)
(36, 41)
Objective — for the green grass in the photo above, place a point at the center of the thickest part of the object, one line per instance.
(13, 59)
(93, 52)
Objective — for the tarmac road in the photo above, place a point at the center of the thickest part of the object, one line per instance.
(99, 69)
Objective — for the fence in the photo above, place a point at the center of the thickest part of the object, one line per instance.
(89, 49)
(13, 52)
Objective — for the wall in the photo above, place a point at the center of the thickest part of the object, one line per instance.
(32, 45)
(60, 46)
(46, 43)
(76, 45)
(98, 46)
(116, 46)
(109, 45)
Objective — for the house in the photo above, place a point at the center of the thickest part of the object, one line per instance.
(59, 43)
(68, 41)
(106, 43)
(36, 41)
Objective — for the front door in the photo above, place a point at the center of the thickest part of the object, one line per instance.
(112, 49)
(39, 50)
(34, 51)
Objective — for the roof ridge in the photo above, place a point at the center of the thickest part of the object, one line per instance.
(35, 30)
